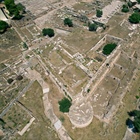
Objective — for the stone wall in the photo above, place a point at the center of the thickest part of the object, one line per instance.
(107, 38)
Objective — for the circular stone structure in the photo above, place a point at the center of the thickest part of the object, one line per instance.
(81, 114)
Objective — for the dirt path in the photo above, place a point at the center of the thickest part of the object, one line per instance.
(104, 74)
(41, 20)
(128, 135)
(48, 109)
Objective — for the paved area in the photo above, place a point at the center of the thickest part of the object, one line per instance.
(109, 11)
(81, 113)
(128, 135)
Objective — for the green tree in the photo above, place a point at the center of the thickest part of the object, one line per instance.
(10, 5)
(84, 18)
(17, 15)
(136, 121)
(64, 105)
(109, 48)
(48, 31)
(3, 26)
(21, 8)
(99, 13)
(130, 4)
(129, 122)
(2, 123)
(134, 18)
(138, 1)
(92, 27)
(125, 9)
(14, 10)
(68, 22)
(135, 113)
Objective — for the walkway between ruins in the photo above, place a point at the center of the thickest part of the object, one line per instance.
(61, 131)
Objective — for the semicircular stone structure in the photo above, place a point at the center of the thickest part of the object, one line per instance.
(81, 113)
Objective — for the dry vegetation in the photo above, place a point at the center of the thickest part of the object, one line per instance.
(115, 28)
(9, 45)
(116, 128)
(80, 40)
(73, 40)
(41, 127)
(16, 118)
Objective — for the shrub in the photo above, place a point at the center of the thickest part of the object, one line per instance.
(68, 22)
(92, 27)
(2, 123)
(62, 119)
(98, 59)
(88, 90)
(64, 105)
(125, 9)
(10, 80)
(48, 31)
(130, 4)
(3, 26)
(19, 77)
(137, 97)
(25, 46)
(99, 13)
(109, 48)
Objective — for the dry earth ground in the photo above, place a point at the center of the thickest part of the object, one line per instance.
(9, 45)
(41, 127)
(115, 130)
(16, 118)
(114, 26)
(80, 40)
